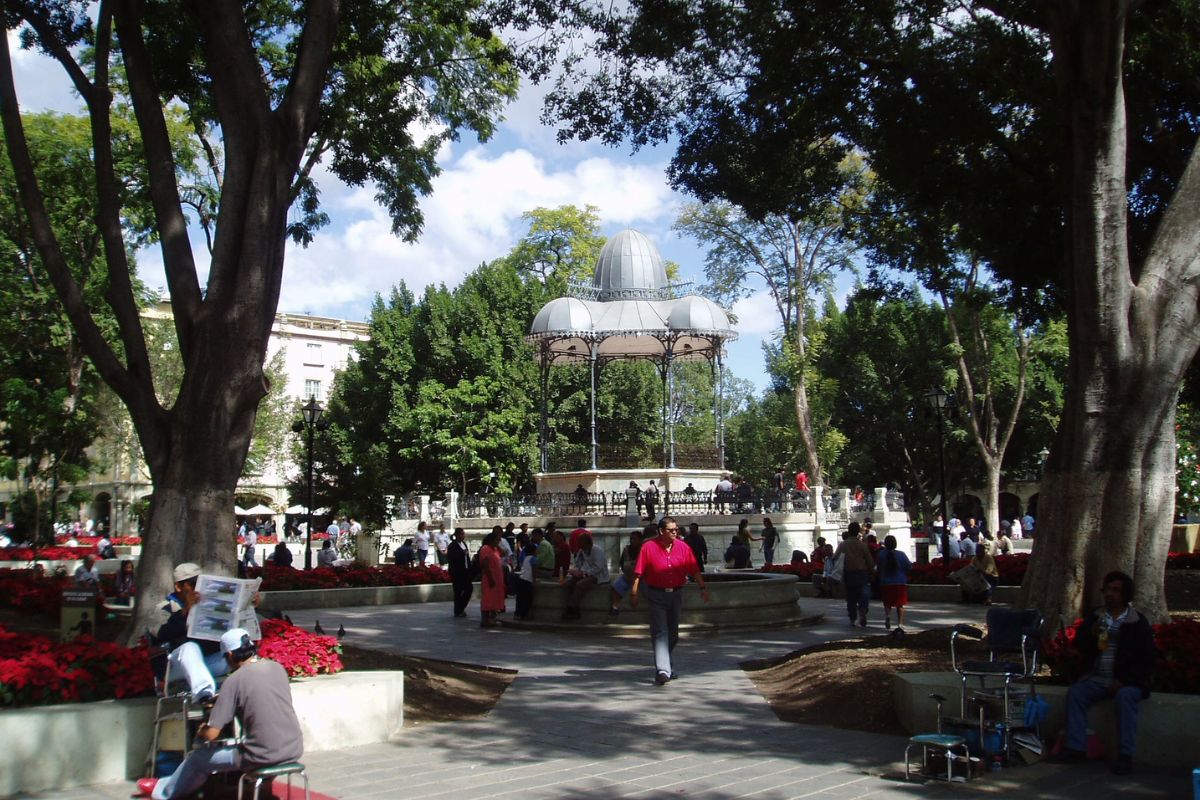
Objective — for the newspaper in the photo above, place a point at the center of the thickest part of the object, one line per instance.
(971, 579)
(225, 603)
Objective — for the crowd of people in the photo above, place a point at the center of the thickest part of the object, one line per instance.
(862, 566)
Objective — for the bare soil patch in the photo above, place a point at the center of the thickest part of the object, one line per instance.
(435, 690)
(848, 684)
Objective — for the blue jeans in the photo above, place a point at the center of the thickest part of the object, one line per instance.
(195, 769)
(664, 625)
(1086, 692)
(858, 592)
(199, 670)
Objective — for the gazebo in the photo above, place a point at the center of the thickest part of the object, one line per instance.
(630, 311)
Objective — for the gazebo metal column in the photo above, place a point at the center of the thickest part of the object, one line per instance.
(719, 404)
(670, 369)
(592, 368)
(544, 426)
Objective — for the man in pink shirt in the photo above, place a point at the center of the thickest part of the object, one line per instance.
(664, 565)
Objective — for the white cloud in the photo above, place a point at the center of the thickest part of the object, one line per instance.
(757, 315)
(472, 216)
(42, 84)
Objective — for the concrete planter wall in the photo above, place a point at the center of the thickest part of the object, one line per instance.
(357, 596)
(81, 744)
(931, 593)
(1168, 724)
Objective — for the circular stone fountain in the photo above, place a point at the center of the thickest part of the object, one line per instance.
(737, 599)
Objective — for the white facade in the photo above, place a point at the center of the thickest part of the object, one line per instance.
(314, 348)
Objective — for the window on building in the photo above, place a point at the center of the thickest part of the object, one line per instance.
(312, 390)
(313, 356)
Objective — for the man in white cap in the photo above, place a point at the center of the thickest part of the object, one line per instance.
(257, 694)
(199, 661)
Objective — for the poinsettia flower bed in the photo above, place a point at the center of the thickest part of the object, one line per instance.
(24, 590)
(1177, 670)
(300, 652)
(802, 571)
(282, 579)
(1183, 560)
(86, 541)
(35, 670)
(46, 553)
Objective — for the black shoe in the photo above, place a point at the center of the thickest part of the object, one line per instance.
(612, 612)
(674, 675)
(1123, 765)
(1067, 756)
(662, 677)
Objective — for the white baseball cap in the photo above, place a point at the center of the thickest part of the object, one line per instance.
(235, 639)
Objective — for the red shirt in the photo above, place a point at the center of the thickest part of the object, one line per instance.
(666, 570)
(573, 542)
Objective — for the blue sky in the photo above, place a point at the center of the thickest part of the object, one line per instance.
(473, 215)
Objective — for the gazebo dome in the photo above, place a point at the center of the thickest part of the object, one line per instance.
(564, 315)
(630, 311)
(694, 313)
(629, 266)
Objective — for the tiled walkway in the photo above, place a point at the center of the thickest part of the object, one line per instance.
(583, 719)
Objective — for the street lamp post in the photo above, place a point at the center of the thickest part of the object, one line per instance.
(940, 400)
(311, 421)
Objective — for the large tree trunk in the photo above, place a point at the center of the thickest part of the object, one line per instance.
(191, 514)
(1106, 498)
(991, 500)
(1110, 509)
(804, 422)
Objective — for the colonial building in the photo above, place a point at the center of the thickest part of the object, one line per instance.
(314, 349)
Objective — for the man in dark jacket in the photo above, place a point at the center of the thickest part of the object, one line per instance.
(1119, 643)
(459, 562)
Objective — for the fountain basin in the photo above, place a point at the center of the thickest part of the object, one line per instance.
(737, 599)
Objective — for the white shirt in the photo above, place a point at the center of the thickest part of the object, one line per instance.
(421, 540)
(441, 540)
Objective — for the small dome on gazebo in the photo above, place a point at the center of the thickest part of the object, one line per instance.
(562, 315)
(629, 264)
(694, 313)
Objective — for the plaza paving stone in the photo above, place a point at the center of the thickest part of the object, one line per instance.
(583, 719)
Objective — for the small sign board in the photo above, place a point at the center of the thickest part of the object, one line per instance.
(78, 613)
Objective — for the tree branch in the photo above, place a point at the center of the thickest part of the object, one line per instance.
(182, 280)
(106, 361)
(108, 215)
(299, 110)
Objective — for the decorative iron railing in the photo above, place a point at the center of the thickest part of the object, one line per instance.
(591, 504)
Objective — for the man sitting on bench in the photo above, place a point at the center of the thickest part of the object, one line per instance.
(257, 694)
